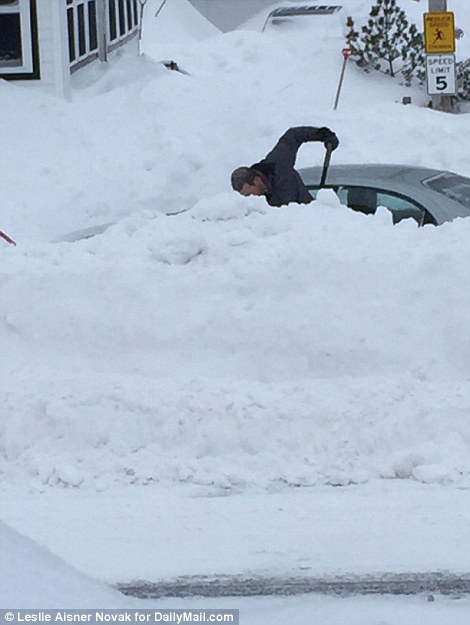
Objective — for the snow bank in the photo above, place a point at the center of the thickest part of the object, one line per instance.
(35, 578)
(231, 344)
(236, 346)
(176, 26)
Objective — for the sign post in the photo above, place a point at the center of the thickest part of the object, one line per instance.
(439, 42)
(346, 52)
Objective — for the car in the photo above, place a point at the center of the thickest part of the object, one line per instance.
(429, 196)
(282, 15)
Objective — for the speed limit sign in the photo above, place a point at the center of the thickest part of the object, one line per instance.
(440, 74)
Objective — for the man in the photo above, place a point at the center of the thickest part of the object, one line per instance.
(275, 176)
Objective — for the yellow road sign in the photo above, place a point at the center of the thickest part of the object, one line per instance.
(439, 33)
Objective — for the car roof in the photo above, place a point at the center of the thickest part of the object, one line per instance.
(365, 173)
(400, 179)
(280, 14)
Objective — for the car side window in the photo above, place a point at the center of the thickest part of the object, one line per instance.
(366, 200)
(361, 199)
(401, 208)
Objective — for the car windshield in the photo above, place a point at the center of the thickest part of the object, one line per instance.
(452, 186)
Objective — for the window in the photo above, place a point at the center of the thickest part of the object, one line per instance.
(71, 32)
(129, 15)
(97, 26)
(367, 199)
(82, 31)
(452, 186)
(11, 51)
(123, 19)
(112, 20)
(401, 207)
(92, 25)
(19, 57)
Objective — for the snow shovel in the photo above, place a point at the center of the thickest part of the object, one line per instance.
(326, 164)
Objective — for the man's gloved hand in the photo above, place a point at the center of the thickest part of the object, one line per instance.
(329, 138)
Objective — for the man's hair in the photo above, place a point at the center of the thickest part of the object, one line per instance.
(242, 176)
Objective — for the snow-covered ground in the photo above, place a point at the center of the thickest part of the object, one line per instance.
(182, 392)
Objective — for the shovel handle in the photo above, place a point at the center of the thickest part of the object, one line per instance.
(326, 164)
(7, 238)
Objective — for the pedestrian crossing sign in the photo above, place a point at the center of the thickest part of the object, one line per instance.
(439, 33)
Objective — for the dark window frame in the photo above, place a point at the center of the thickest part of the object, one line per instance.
(35, 74)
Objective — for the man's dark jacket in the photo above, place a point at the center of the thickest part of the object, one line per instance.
(283, 181)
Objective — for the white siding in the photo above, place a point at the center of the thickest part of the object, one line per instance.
(53, 49)
(46, 45)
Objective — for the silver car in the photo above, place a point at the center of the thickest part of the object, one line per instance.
(428, 196)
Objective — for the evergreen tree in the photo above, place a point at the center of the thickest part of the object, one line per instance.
(463, 80)
(388, 42)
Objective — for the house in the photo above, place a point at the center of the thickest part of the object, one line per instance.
(47, 41)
